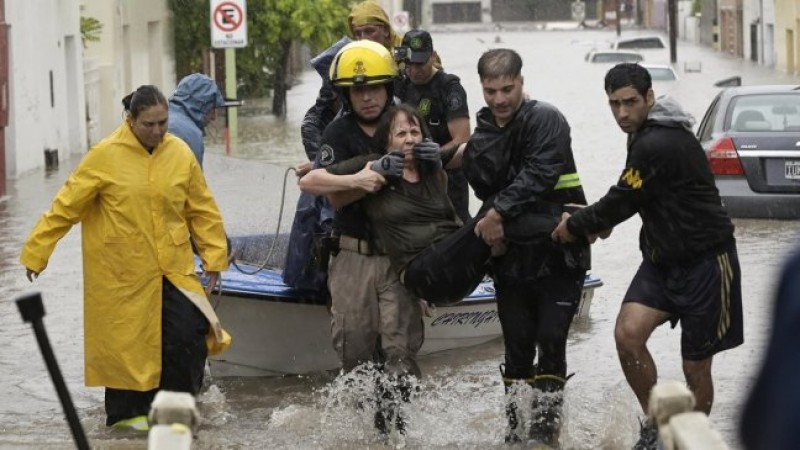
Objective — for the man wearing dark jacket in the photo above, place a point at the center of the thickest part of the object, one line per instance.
(519, 160)
(690, 270)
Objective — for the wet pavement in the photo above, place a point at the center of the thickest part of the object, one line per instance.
(460, 403)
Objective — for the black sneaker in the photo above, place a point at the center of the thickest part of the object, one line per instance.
(648, 436)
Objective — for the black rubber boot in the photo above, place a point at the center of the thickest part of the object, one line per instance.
(547, 405)
(388, 411)
(514, 430)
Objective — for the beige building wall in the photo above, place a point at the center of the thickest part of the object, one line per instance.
(787, 25)
(135, 48)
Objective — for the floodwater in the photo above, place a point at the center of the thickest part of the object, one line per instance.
(459, 405)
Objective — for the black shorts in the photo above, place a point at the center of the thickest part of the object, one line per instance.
(706, 297)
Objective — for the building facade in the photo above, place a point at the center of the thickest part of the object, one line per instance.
(136, 47)
(46, 108)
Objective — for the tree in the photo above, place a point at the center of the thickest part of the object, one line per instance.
(192, 32)
(275, 24)
(272, 26)
(90, 30)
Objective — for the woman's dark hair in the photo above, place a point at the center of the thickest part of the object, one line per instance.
(383, 132)
(146, 96)
(628, 74)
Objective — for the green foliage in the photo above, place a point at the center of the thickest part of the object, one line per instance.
(695, 7)
(274, 24)
(271, 24)
(192, 30)
(90, 30)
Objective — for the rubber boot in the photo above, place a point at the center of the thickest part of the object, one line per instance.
(388, 412)
(547, 405)
(514, 430)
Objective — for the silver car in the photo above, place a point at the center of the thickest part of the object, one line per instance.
(751, 135)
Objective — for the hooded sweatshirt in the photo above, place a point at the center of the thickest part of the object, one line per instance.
(668, 182)
(195, 96)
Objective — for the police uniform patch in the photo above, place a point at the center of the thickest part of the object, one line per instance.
(424, 107)
(454, 101)
(325, 155)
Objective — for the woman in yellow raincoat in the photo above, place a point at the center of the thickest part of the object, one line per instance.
(140, 195)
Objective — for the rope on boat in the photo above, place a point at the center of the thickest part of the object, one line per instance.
(218, 286)
(277, 231)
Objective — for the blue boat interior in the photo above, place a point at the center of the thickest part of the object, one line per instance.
(257, 273)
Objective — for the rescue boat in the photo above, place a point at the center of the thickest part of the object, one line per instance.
(279, 330)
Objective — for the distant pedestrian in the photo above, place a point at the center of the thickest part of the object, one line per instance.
(191, 108)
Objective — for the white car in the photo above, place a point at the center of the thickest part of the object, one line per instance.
(661, 72)
(638, 43)
(613, 56)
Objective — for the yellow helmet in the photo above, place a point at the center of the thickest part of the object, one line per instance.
(362, 63)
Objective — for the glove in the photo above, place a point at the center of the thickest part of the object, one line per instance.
(429, 152)
(389, 165)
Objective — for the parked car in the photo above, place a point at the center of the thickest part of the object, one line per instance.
(612, 56)
(638, 43)
(661, 72)
(665, 79)
(751, 135)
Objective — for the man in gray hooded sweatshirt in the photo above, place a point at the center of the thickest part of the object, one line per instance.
(690, 270)
(192, 107)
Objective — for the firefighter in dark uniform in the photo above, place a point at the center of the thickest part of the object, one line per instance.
(519, 160)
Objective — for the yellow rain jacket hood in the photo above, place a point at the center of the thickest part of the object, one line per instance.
(137, 212)
(371, 12)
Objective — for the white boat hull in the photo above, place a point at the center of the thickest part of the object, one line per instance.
(280, 334)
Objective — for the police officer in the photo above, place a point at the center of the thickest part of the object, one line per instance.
(442, 102)
(371, 310)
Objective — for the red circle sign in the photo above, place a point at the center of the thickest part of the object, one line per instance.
(400, 20)
(228, 16)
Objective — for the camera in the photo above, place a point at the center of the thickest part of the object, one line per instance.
(401, 54)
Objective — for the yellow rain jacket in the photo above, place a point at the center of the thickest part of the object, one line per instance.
(137, 212)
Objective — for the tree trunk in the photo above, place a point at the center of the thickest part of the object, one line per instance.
(280, 84)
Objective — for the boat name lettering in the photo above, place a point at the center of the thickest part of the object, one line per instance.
(476, 318)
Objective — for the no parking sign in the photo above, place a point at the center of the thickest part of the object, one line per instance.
(400, 22)
(228, 23)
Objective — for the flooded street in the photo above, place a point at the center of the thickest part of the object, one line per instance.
(460, 405)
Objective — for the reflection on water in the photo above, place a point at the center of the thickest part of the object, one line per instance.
(459, 405)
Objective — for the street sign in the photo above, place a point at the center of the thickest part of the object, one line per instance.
(578, 11)
(228, 23)
(400, 21)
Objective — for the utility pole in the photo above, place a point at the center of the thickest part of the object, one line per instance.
(672, 13)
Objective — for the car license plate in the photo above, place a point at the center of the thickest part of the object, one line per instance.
(792, 170)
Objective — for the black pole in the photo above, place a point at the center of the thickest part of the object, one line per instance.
(32, 310)
(672, 10)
